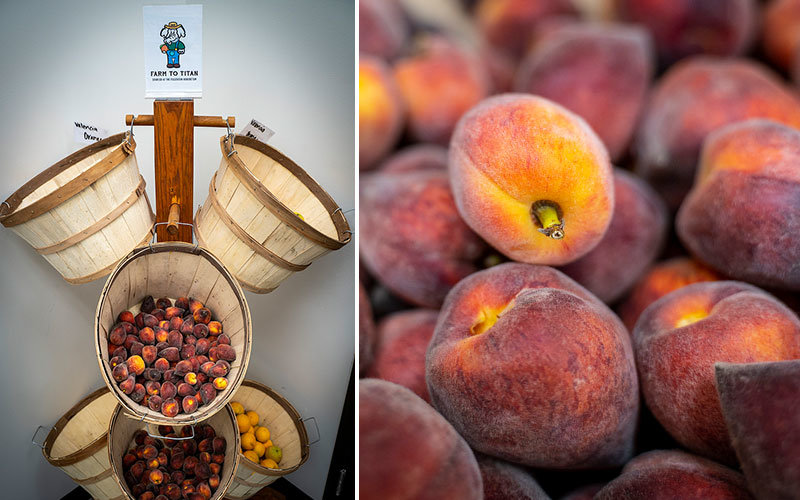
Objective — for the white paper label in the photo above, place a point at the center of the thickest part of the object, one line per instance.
(86, 133)
(257, 130)
(173, 50)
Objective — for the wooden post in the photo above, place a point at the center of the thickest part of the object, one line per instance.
(173, 128)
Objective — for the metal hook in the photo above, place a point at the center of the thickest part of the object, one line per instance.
(153, 232)
(133, 119)
(6, 204)
(38, 430)
(319, 436)
(338, 209)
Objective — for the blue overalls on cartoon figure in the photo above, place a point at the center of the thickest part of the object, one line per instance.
(172, 46)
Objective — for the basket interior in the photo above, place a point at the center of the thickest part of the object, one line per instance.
(87, 425)
(174, 274)
(281, 425)
(287, 188)
(223, 422)
(66, 176)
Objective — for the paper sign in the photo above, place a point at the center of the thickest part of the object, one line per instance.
(86, 133)
(173, 50)
(257, 130)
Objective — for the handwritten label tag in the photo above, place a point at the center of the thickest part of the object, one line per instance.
(86, 133)
(173, 50)
(257, 130)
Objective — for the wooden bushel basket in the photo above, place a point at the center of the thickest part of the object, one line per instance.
(122, 428)
(78, 444)
(86, 212)
(250, 221)
(175, 270)
(287, 431)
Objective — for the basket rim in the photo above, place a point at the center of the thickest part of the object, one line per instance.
(118, 477)
(285, 214)
(200, 415)
(85, 451)
(15, 216)
(298, 423)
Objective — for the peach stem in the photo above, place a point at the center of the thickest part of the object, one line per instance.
(547, 215)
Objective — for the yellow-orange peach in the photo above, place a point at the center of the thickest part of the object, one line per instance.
(532, 179)
(678, 339)
(661, 279)
(508, 24)
(380, 111)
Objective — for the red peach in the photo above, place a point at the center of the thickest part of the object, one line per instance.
(380, 111)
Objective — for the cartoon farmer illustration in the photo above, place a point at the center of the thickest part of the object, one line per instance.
(173, 47)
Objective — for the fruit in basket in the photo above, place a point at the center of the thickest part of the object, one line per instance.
(251, 455)
(243, 422)
(262, 434)
(269, 463)
(248, 441)
(275, 453)
(260, 449)
(253, 416)
(136, 365)
(531, 178)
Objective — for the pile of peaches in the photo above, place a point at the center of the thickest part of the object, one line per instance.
(579, 249)
(170, 357)
(177, 466)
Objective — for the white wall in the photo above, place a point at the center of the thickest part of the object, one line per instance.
(288, 63)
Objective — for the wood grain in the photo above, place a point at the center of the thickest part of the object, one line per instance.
(173, 128)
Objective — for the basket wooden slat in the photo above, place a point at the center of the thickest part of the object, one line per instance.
(175, 270)
(122, 428)
(78, 444)
(249, 218)
(86, 212)
(287, 431)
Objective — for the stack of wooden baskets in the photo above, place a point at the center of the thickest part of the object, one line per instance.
(264, 219)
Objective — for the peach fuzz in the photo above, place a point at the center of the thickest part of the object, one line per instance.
(380, 111)
(413, 239)
(661, 279)
(599, 72)
(683, 28)
(781, 32)
(532, 179)
(761, 405)
(382, 28)
(407, 450)
(417, 157)
(692, 99)
(633, 240)
(742, 217)
(402, 341)
(366, 330)
(502, 481)
(508, 24)
(678, 339)
(530, 367)
(438, 83)
(674, 474)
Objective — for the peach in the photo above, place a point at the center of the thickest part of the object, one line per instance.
(402, 341)
(136, 348)
(530, 367)
(148, 304)
(207, 393)
(138, 393)
(176, 321)
(382, 28)
(585, 492)
(417, 157)
(761, 406)
(136, 365)
(223, 339)
(380, 111)
(508, 24)
(182, 302)
(694, 98)
(392, 423)
(189, 404)
(125, 316)
(678, 339)
(117, 336)
(120, 352)
(685, 27)
(673, 474)
(781, 32)
(366, 331)
(226, 352)
(599, 72)
(214, 328)
(154, 402)
(188, 351)
(161, 364)
(413, 239)
(502, 480)
(201, 346)
(194, 305)
(187, 327)
(219, 444)
(185, 389)
(163, 303)
(634, 239)
(201, 315)
(220, 383)
(161, 335)
(120, 372)
(438, 84)
(531, 178)
(661, 279)
(149, 354)
(150, 321)
(170, 354)
(152, 387)
(170, 408)
(742, 217)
